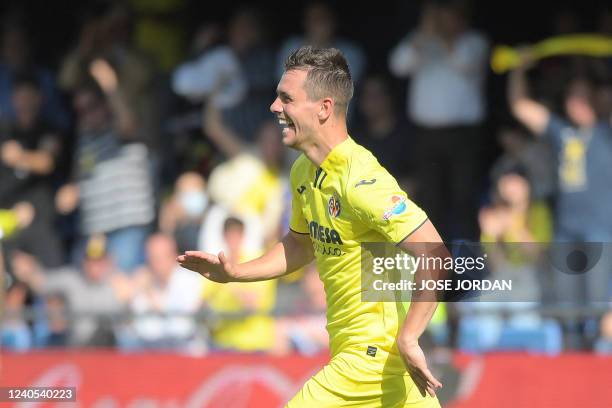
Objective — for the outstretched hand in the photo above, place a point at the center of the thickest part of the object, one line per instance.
(415, 362)
(217, 268)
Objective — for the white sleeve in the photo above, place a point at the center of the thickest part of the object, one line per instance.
(404, 58)
(218, 70)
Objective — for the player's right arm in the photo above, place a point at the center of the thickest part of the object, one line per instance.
(291, 253)
(532, 114)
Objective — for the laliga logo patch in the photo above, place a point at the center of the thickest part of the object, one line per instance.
(399, 206)
(333, 206)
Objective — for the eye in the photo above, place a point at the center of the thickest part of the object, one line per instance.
(284, 97)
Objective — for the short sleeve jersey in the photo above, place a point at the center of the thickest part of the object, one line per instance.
(349, 200)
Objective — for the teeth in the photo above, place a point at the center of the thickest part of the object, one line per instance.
(284, 122)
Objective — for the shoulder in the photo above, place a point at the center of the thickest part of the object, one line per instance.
(556, 125)
(365, 175)
(363, 164)
(299, 167)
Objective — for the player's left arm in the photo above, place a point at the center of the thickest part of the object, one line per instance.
(380, 203)
(425, 240)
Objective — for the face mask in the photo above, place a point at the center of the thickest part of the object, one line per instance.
(194, 202)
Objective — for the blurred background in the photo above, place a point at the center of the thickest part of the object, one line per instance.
(131, 131)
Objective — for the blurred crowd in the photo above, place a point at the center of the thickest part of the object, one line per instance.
(133, 151)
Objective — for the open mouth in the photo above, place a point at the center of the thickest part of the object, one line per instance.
(286, 124)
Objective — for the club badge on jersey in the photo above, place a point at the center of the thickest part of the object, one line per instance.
(333, 206)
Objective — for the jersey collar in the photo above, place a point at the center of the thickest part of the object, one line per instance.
(338, 156)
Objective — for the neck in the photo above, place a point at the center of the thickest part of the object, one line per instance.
(586, 125)
(323, 143)
(518, 208)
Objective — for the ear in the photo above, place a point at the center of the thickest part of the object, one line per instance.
(326, 109)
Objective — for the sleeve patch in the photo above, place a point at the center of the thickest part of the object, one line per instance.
(398, 207)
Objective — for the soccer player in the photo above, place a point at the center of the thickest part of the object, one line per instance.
(342, 197)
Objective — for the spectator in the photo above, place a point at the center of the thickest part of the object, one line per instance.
(109, 38)
(95, 293)
(244, 324)
(383, 131)
(239, 76)
(16, 61)
(534, 156)
(514, 230)
(258, 187)
(447, 62)
(215, 74)
(166, 297)
(519, 218)
(29, 152)
(320, 31)
(16, 333)
(583, 145)
(111, 182)
(183, 214)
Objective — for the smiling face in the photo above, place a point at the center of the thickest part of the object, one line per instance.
(297, 113)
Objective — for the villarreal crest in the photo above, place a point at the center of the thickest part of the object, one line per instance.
(333, 206)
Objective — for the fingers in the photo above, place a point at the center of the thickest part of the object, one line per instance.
(195, 268)
(197, 256)
(222, 258)
(424, 385)
(419, 382)
(431, 379)
(425, 380)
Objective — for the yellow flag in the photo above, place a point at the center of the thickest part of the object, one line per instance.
(505, 58)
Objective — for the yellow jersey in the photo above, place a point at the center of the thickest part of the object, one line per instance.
(254, 332)
(351, 199)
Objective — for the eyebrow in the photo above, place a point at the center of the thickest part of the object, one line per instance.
(283, 94)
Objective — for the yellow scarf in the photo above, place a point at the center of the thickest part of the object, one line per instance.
(505, 58)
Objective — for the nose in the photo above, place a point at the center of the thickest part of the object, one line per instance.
(276, 106)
